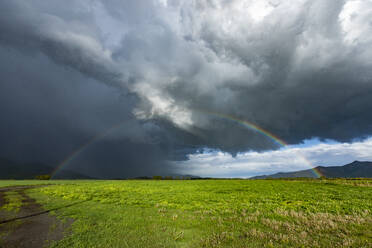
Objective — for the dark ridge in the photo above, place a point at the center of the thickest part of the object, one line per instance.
(13, 170)
(356, 169)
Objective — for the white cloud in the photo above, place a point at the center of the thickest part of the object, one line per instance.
(354, 21)
(290, 158)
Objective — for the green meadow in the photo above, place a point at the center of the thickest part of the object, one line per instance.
(209, 213)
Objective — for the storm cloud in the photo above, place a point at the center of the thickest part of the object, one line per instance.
(168, 71)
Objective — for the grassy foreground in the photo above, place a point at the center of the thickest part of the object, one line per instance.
(211, 213)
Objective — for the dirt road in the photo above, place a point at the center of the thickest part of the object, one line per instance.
(31, 226)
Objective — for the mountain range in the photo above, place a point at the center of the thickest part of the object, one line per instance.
(13, 170)
(356, 169)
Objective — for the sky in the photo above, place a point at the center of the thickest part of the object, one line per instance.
(210, 87)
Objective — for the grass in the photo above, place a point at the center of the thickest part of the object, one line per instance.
(212, 213)
(13, 201)
(11, 183)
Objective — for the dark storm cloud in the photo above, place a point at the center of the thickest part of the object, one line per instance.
(297, 69)
(48, 113)
(62, 32)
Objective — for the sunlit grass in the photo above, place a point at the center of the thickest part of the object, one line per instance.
(8, 183)
(213, 213)
(13, 201)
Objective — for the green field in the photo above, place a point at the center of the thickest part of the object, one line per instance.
(210, 213)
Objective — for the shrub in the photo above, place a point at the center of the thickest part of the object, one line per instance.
(42, 177)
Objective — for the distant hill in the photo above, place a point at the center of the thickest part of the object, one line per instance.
(171, 176)
(13, 170)
(353, 170)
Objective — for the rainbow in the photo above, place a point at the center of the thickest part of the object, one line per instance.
(82, 148)
(250, 126)
(264, 132)
(244, 123)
